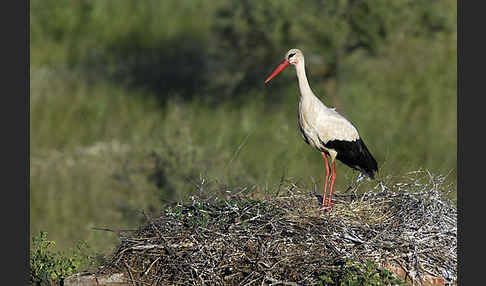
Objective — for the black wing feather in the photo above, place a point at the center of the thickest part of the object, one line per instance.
(354, 154)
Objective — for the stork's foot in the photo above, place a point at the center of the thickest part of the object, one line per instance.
(323, 210)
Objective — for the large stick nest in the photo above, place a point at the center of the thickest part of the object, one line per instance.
(232, 238)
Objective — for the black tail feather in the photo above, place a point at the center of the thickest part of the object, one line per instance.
(356, 155)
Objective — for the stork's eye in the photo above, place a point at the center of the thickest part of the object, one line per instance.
(291, 55)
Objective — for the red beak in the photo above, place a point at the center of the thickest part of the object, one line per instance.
(285, 63)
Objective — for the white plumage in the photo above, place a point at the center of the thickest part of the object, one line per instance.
(321, 122)
(325, 129)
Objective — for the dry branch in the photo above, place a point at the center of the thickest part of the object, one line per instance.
(231, 239)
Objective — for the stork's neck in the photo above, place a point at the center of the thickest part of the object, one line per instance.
(304, 86)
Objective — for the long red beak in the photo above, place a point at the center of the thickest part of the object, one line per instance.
(285, 63)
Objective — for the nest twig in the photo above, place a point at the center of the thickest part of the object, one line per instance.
(242, 241)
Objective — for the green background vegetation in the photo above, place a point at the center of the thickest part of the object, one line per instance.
(135, 103)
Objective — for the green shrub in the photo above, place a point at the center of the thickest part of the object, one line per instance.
(352, 273)
(47, 266)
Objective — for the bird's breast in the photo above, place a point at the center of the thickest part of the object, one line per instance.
(307, 129)
(320, 124)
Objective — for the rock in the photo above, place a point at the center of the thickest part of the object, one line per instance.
(90, 279)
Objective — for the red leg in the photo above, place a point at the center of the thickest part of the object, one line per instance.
(325, 183)
(333, 178)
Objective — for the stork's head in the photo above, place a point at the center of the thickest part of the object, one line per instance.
(292, 57)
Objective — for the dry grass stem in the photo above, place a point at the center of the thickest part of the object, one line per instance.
(229, 238)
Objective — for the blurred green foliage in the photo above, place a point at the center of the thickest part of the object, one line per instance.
(133, 103)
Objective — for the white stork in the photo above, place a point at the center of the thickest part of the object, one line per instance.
(325, 129)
